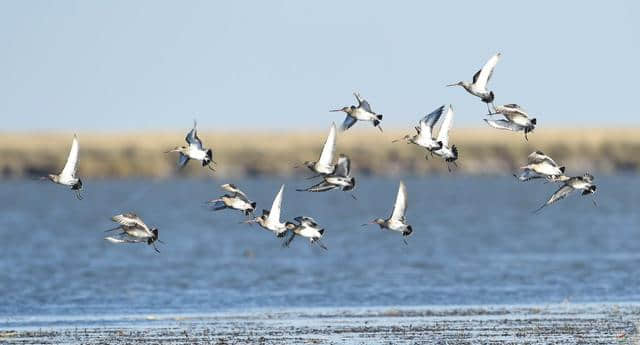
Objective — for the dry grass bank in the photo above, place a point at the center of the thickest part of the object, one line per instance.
(482, 151)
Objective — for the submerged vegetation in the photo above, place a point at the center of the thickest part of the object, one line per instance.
(482, 151)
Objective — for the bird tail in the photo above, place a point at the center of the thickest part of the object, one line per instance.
(253, 205)
(534, 121)
(562, 169)
(379, 117)
(321, 231)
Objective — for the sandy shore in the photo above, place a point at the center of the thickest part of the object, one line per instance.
(554, 324)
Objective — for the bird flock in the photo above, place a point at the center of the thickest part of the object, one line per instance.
(338, 175)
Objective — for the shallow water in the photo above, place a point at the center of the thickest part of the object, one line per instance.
(475, 242)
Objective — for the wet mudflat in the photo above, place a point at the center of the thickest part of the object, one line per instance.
(562, 323)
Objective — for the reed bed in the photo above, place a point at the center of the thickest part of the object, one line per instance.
(482, 151)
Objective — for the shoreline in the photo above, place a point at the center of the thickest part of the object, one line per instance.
(565, 322)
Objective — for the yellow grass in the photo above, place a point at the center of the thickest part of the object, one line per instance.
(482, 151)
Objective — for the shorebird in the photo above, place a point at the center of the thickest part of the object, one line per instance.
(479, 85)
(324, 165)
(516, 119)
(68, 175)
(361, 112)
(134, 230)
(424, 137)
(237, 200)
(397, 221)
(270, 220)
(584, 183)
(540, 166)
(306, 227)
(341, 178)
(194, 150)
(449, 154)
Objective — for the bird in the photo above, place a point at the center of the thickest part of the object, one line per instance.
(306, 227)
(449, 154)
(397, 221)
(424, 137)
(325, 165)
(270, 220)
(515, 119)
(340, 179)
(540, 166)
(361, 112)
(194, 150)
(68, 175)
(478, 87)
(134, 230)
(237, 200)
(584, 183)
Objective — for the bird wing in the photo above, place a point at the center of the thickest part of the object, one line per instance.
(320, 187)
(400, 207)
(343, 168)
(326, 157)
(504, 124)
(538, 157)
(130, 219)
(348, 123)
(192, 137)
(71, 166)
(427, 122)
(306, 221)
(124, 238)
(182, 160)
(362, 103)
(231, 188)
(447, 123)
(560, 194)
(527, 175)
(274, 213)
(482, 77)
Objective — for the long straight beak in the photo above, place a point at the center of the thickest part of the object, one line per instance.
(335, 110)
(454, 84)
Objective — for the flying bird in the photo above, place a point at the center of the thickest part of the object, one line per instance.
(424, 132)
(515, 119)
(68, 175)
(479, 85)
(449, 154)
(307, 227)
(134, 230)
(236, 200)
(584, 183)
(397, 221)
(340, 179)
(270, 220)
(541, 166)
(325, 165)
(194, 150)
(361, 112)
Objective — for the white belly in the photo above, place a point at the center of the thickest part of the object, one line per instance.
(363, 115)
(197, 154)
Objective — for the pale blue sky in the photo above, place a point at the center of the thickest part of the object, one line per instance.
(112, 65)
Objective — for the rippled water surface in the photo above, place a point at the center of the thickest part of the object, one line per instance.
(475, 242)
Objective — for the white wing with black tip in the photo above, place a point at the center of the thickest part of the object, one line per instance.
(400, 207)
(482, 77)
(362, 103)
(276, 206)
(430, 120)
(192, 137)
(447, 124)
(326, 157)
(70, 168)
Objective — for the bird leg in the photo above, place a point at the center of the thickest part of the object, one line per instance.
(380, 128)
(155, 248)
(353, 196)
(210, 167)
(405, 241)
(78, 195)
(114, 229)
(321, 244)
(489, 109)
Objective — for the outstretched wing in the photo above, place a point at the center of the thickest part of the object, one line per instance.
(69, 170)
(427, 122)
(274, 213)
(447, 123)
(504, 124)
(343, 168)
(538, 157)
(482, 77)
(231, 188)
(192, 137)
(348, 123)
(326, 157)
(362, 103)
(319, 187)
(130, 219)
(306, 221)
(124, 238)
(558, 195)
(528, 175)
(400, 207)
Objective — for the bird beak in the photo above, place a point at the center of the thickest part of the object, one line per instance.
(335, 110)
(454, 84)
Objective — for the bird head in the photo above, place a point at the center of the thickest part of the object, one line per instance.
(347, 110)
(177, 149)
(460, 83)
(52, 177)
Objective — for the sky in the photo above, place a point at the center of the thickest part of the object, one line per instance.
(144, 65)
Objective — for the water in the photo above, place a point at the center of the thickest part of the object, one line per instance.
(475, 242)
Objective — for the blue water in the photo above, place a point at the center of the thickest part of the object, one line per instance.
(475, 241)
